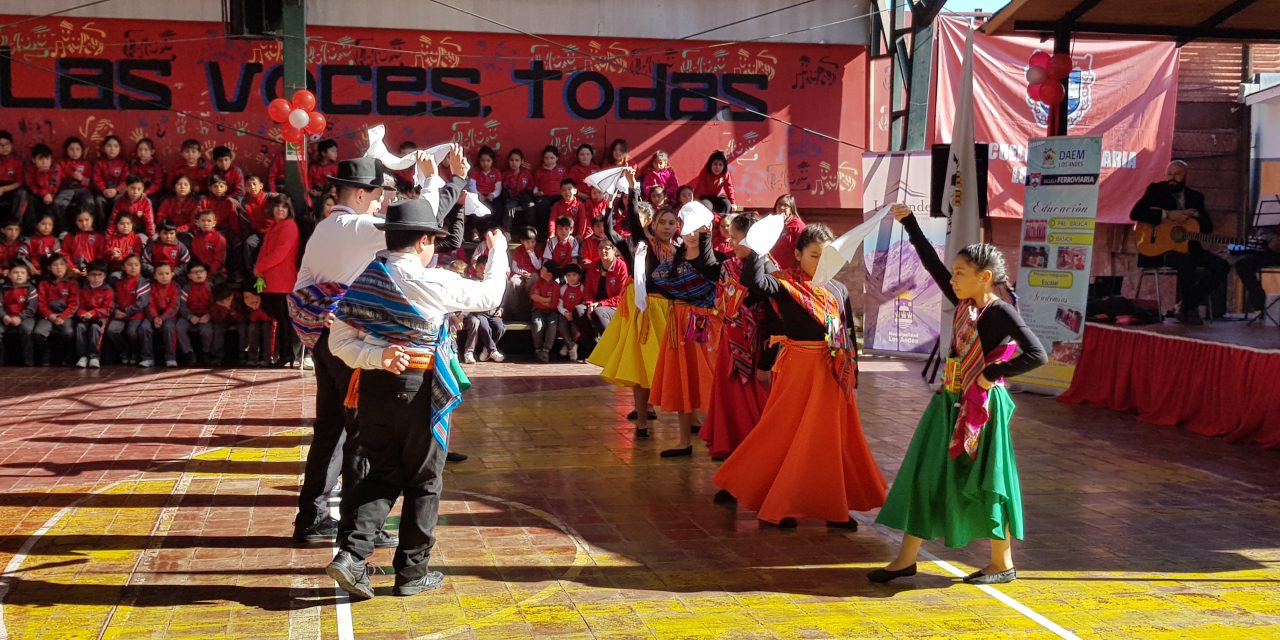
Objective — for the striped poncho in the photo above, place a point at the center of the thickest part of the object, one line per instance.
(375, 304)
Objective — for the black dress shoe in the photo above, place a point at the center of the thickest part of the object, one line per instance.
(432, 580)
(723, 496)
(351, 574)
(695, 428)
(454, 456)
(994, 578)
(785, 523)
(322, 531)
(385, 540)
(881, 576)
(1191, 317)
(850, 524)
(677, 453)
(642, 432)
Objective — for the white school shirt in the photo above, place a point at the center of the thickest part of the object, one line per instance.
(341, 246)
(433, 292)
(554, 242)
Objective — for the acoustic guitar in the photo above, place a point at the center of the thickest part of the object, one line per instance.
(1159, 239)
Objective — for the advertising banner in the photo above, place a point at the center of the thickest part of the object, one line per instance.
(1057, 249)
(902, 305)
(1125, 92)
(64, 76)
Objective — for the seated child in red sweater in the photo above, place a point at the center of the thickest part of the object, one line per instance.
(133, 297)
(97, 302)
(545, 295)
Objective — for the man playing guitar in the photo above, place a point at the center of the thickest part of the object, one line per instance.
(1172, 201)
(1249, 267)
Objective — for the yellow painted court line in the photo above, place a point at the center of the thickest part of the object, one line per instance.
(164, 521)
(1004, 598)
(20, 557)
(15, 563)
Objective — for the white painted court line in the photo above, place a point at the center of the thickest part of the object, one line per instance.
(346, 629)
(1004, 598)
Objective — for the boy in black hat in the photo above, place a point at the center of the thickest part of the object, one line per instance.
(390, 330)
(338, 251)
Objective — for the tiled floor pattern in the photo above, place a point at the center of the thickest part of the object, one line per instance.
(160, 505)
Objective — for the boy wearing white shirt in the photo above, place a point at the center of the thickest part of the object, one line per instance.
(390, 329)
(338, 251)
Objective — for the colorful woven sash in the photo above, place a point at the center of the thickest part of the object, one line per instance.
(447, 384)
(310, 306)
(446, 391)
(961, 376)
(682, 282)
(741, 321)
(823, 306)
(375, 305)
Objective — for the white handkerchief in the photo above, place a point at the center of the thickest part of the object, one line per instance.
(609, 181)
(378, 150)
(641, 298)
(694, 216)
(842, 250)
(764, 234)
(440, 152)
(473, 206)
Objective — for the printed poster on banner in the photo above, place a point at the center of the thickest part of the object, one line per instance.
(1057, 250)
(902, 305)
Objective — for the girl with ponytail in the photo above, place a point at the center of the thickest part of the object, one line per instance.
(806, 456)
(959, 480)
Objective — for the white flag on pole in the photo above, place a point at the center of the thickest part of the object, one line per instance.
(960, 188)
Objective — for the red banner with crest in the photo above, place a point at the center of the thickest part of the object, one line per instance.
(1124, 91)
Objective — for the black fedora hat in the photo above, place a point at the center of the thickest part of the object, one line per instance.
(360, 172)
(412, 215)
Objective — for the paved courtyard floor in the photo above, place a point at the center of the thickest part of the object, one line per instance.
(160, 504)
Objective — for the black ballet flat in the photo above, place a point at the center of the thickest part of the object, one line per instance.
(785, 523)
(677, 453)
(694, 429)
(1003, 577)
(633, 415)
(850, 524)
(642, 432)
(882, 576)
(723, 497)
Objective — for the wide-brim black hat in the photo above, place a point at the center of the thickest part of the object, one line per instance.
(360, 172)
(412, 215)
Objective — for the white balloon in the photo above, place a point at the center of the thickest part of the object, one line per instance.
(299, 118)
(1036, 75)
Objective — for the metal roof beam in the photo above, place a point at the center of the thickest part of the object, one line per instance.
(1165, 31)
(1216, 19)
(926, 10)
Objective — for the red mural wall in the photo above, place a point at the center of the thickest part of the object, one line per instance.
(170, 81)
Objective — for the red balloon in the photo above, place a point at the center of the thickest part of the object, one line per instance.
(304, 100)
(1052, 93)
(1060, 66)
(291, 134)
(1039, 59)
(1033, 92)
(318, 124)
(279, 110)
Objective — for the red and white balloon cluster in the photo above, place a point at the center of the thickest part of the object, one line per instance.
(297, 117)
(1045, 75)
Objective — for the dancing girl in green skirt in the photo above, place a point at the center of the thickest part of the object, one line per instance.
(959, 480)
